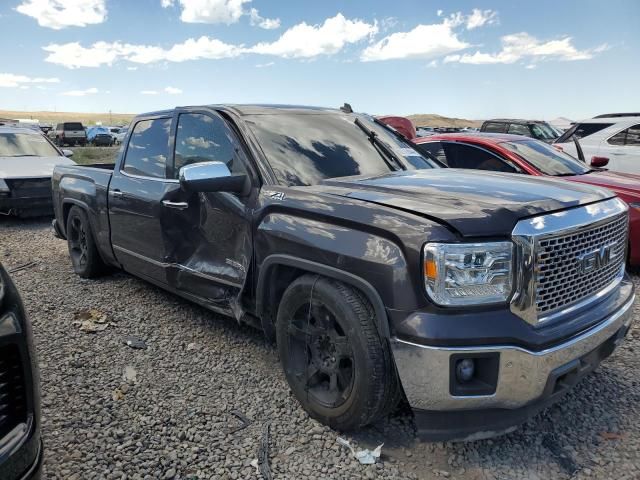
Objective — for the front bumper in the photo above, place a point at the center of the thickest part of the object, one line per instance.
(527, 380)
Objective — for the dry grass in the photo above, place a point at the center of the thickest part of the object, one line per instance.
(85, 118)
(85, 155)
(433, 120)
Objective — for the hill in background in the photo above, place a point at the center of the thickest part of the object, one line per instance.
(433, 120)
(57, 117)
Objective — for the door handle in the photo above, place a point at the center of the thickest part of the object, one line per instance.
(116, 193)
(176, 205)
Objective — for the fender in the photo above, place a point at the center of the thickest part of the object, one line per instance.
(382, 323)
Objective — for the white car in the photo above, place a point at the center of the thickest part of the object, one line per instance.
(616, 138)
(120, 134)
(27, 159)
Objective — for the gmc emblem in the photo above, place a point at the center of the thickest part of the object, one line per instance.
(592, 261)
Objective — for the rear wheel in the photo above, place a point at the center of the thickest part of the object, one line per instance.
(82, 248)
(333, 357)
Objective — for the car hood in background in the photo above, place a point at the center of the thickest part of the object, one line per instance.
(621, 183)
(26, 167)
(475, 203)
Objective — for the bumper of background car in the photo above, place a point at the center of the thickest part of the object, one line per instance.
(26, 206)
(512, 382)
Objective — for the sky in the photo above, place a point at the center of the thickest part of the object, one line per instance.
(470, 59)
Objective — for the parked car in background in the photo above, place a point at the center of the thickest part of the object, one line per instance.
(616, 138)
(120, 134)
(100, 136)
(402, 125)
(377, 273)
(516, 154)
(21, 448)
(27, 159)
(424, 131)
(529, 128)
(69, 133)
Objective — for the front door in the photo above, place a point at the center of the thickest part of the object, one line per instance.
(209, 241)
(138, 192)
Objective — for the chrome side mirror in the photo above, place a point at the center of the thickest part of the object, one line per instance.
(211, 177)
(67, 153)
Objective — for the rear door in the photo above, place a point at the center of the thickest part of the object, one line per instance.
(138, 192)
(623, 150)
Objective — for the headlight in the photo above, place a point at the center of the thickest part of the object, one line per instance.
(468, 274)
(4, 188)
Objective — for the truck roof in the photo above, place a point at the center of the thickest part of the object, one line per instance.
(256, 109)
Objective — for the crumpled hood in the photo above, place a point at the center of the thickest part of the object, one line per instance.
(473, 202)
(30, 167)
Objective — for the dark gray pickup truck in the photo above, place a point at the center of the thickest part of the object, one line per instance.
(479, 297)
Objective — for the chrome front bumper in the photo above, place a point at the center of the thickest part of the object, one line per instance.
(425, 370)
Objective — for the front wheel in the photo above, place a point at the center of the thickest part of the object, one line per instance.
(334, 360)
(83, 251)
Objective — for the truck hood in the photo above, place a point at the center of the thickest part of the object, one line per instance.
(626, 185)
(30, 167)
(474, 203)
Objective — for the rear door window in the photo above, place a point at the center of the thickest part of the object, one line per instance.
(435, 149)
(471, 157)
(494, 127)
(148, 148)
(629, 136)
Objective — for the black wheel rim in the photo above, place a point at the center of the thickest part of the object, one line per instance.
(320, 355)
(78, 242)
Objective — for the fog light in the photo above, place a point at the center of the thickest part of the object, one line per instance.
(465, 369)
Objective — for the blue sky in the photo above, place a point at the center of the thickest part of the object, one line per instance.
(474, 59)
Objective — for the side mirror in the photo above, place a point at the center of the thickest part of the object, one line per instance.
(599, 162)
(211, 177)
(67, 153)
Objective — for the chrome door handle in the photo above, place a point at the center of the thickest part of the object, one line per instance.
(176, 205)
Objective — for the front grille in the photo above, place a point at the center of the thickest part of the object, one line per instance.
(13, 399)
(561, 280)
(30, 188)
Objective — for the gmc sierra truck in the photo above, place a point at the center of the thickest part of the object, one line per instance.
(479, 297)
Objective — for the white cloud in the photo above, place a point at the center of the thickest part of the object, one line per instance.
(306, 41)
(10, 80)
(267, 23)
(265, 65)
(520, 46)
(479, 18)
(133, 69)
(531, 66)
(58, 14)
(166, 3)
(212, 11)
(423, 42)
(439, 13)
(149, 92)
(80, 93)
(74, 55)
(172, 90)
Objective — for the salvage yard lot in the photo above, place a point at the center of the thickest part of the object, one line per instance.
(85, 155)
(175, 418)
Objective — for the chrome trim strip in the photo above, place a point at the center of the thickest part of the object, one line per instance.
(526, 235)
(523, 374)
(144, 177)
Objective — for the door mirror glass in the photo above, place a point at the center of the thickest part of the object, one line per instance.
(67, 153)
(599, 162)
(211, 177)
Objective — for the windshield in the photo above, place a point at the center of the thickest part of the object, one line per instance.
(543, 131)
(546, 158)
(25, 145)
(306, 148)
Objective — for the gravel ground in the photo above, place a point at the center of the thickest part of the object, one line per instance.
(113, 412)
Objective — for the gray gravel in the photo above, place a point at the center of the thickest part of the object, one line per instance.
(114, 412)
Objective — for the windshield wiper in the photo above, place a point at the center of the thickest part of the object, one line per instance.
(388, 156)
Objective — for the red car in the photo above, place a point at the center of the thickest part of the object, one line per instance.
(518, 154)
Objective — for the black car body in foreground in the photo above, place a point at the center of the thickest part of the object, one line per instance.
(20, 446)
(480, 296)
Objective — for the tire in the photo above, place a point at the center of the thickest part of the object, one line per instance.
(83, 251)
(334, 360)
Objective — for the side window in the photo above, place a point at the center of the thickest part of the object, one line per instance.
(148, 148)
(516, 129)
(435, 149)
(586, 129)
(467, 156)
(633, 136)
(494, 127)
(201, 138)
(618, 138)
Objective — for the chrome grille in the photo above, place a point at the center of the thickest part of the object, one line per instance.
(560, 280)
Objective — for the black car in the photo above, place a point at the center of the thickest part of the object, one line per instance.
(480, 296)
(20, 445)
(537, 129)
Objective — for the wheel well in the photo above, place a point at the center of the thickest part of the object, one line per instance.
(281, 270)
